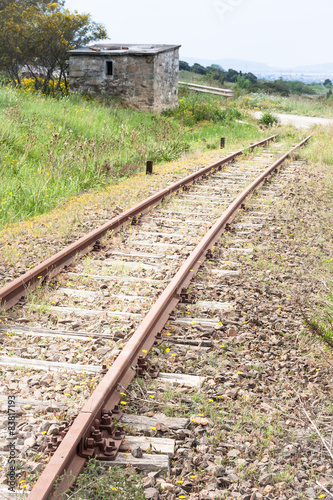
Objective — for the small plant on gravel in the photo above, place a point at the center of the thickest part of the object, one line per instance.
(268, 119)
(322, 326)
(97, 483)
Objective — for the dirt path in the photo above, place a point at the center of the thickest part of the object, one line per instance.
(298, 121)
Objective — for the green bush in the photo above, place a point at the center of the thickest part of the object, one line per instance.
(194, 108)
(268, 119)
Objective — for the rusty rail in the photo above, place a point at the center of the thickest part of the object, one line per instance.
(14, 291)
(107, 394)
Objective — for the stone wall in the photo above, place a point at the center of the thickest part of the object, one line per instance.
(166, 80)
(146, 82)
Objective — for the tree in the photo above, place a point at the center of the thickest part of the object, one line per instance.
(60, 31)
(215, 69)
(216, 72)
(183, 65)
(276, 87)
(197, 68)
(251, 77)
(298, 87)
(327, 83)
(35, 34)
(231, 75)
(27, 3)
(242, 82)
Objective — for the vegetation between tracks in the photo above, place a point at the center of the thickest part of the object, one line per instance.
(96, 483)
(264, 426)
(306, 236)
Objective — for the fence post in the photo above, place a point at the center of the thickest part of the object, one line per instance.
(149, 167)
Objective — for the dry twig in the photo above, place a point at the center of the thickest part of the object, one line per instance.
(312, 423)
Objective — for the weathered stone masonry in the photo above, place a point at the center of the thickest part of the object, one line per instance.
(146, 77)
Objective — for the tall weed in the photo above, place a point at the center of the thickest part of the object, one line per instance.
(195, 108)
(53, 149)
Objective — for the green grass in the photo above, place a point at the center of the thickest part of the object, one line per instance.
(53, 149)
(320, 150)
(194, 108)
(97, 483)
(322, 325)
(298, 105)
(306, 105)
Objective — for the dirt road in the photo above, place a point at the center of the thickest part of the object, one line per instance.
(297, 120)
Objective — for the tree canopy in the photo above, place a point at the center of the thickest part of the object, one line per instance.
(216, 72)
(36, 35)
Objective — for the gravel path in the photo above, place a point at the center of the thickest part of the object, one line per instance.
(304, 122)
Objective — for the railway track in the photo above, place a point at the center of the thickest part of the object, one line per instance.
(75, 343)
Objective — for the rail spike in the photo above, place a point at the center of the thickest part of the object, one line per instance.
(186, 297)
(144, 368)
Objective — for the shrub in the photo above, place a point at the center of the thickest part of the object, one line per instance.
(32, 86)
(183, 65)
(268, 119)
(195, 108)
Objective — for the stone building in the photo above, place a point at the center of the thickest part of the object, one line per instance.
(144, 76)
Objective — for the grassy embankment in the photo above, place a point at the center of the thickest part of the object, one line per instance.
(297, 105)
(305, 105)
(53, 149)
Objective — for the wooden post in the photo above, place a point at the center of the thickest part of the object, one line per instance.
(222, 142)
(149, 167)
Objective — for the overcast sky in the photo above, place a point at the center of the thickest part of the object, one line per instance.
(283, 33)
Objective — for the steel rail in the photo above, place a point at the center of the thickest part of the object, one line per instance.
(10, 294)
(121, 373)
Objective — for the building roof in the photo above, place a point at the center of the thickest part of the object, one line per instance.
(108, 49)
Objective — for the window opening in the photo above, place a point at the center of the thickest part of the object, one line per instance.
(109, 68)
